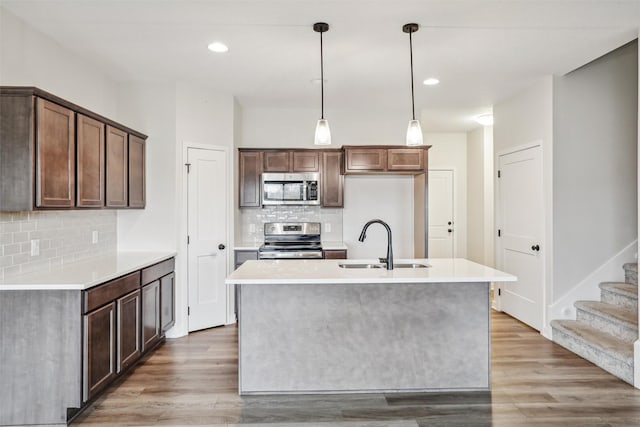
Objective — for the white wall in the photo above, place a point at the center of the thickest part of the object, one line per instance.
(594, 165)
(449, 151)
(30, 58)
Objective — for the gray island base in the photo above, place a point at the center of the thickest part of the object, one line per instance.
(363, 337)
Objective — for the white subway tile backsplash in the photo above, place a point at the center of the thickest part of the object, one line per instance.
(251, 224)
(65, 236)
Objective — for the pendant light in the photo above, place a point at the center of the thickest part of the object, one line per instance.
(414, 131)
(323, 133)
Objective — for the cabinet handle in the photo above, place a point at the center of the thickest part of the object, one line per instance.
(535, 248)
(221, 246)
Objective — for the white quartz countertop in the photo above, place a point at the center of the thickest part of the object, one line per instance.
(87, 273)
(329, 271)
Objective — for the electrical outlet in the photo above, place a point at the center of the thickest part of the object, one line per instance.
(327, 227)
(35, 247)
(94, 237)
(252, 228)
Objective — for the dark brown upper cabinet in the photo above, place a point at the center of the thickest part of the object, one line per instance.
(250, 170)
(117, 184)
(136, 172)
(305, 161)
(332, 179)
(90, 162)
(53, 155)
(277, 161)
(385, 159)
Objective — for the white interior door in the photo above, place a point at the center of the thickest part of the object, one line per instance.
(521, 225)
(441, 224)
(207, 230)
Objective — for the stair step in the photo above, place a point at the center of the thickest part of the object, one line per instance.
(617, 321)
(621, 294)
(600, 348)
(631, 272)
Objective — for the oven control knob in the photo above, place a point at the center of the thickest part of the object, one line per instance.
(221, 246)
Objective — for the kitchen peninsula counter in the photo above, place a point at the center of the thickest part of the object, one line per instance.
(313, 327)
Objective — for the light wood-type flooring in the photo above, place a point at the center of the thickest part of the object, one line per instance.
(193, 381)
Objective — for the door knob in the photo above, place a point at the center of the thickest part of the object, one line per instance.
(450, 230)
(221, 246)
(535, 248)
(449, 223)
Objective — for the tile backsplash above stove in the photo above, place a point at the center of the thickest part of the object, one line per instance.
(251, 224)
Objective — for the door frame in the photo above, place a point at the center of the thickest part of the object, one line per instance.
(454, 206)
(182, 291)
(545, 236)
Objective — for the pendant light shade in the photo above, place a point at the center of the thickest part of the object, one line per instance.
(414, 130)
(323, 133)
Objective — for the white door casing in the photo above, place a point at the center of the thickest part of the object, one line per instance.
(441, 221)
(520, 246)
(207, 230)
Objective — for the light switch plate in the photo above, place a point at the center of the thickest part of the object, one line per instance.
(35, 247)
(327, 227)
(94, 237)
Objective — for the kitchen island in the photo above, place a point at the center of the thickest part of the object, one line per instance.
(312, 326)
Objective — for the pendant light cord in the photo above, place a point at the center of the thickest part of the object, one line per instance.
(321, 80)
(413, 106)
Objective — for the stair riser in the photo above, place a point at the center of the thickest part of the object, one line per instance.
(618, 299)
(631, 276)
(624, 332)
(612, 365)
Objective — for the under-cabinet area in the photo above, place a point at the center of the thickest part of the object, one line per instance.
(58, 155)
(77, 329)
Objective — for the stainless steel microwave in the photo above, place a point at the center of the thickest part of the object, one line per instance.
(290, 189)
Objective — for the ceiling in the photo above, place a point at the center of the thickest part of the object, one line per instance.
(483, 51)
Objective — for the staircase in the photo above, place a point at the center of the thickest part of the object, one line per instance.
(604, 331)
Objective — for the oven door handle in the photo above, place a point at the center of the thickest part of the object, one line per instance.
(291, 255)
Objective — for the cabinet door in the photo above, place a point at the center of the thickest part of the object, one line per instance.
(90, 164)
(55, 156)
(306, 161)
(332, 180)
(167, 301)
(99, 349)
(335, 254)
(250, 170)
(117, 168)
(150, 315)
(277, 161)
(405, 159)
(128, 331)
(362, 160)
(136, 172)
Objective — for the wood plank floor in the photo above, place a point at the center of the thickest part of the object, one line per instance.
(193, 381)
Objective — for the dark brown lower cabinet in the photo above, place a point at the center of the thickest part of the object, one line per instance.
(150, 315)
(335, 254)
(128, 313)
(167, 297)
(99, 349)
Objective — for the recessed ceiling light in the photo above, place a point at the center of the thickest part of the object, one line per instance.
(431, 81)
(218, 47)
(484, 119)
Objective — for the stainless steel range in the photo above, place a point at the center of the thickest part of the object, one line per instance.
(291, 240)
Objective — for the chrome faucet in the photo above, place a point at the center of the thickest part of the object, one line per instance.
(389, 259)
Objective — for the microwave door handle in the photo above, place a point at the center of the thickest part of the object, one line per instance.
(304, 190)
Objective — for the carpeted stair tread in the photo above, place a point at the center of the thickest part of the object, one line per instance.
(627, 289)
(632, 266)
(628, 318)
(601, 341)
(631, 272)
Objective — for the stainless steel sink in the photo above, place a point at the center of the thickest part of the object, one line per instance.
(412, 265)
(361, 265)
(400, 265)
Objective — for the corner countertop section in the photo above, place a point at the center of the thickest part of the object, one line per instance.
(87, 273)
(329, 272)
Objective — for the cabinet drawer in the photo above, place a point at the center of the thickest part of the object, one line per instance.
(103, 294)
(158, 270)
(335, 254)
